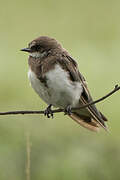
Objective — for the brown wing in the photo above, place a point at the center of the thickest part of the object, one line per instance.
(85, 98)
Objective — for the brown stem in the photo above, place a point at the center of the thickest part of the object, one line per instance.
(62, 110)
(28, 149)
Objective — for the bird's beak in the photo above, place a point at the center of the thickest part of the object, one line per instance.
(26, 49)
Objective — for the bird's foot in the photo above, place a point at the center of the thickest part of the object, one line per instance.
(48, 111)
(67, 110)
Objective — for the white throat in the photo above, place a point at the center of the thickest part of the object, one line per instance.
(38, 54)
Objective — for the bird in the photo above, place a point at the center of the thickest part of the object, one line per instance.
(55, 77)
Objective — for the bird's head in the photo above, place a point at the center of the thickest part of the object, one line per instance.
(40, 46)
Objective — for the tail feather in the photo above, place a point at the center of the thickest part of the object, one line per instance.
(103, 117)
(87, 121)
(95, 114)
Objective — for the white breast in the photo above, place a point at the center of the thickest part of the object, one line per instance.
(61, 91)
(39, 87)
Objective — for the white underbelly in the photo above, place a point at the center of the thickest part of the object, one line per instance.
(60, 92)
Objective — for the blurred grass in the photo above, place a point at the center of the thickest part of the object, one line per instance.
(90, 30)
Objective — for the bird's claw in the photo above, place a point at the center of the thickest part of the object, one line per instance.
(68, 110)
(48, 111)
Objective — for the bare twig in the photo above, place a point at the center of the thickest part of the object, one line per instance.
(28, 151)
(116, 88)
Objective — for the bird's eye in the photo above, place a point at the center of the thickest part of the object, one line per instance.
(35, 48)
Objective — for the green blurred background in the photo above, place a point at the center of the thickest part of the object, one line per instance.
(61, 149)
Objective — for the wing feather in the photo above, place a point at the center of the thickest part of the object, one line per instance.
(71, 66)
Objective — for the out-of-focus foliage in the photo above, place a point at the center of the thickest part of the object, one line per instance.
(61, 149)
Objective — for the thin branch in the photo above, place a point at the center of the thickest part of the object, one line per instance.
(28, 152)
(116, 88)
